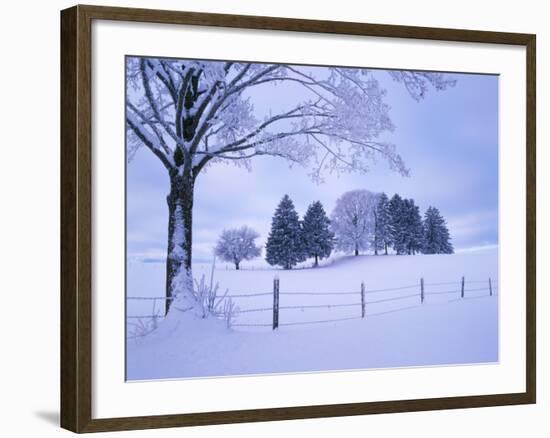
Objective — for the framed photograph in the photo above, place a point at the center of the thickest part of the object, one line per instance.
(268, 218)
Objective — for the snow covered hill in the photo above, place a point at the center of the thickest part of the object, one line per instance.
(398, 329)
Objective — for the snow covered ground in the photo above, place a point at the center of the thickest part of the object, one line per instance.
(398, 330)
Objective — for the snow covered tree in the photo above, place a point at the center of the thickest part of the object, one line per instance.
(285, 243)
(397, 224)
(405, 225)
(437, 239)
(318, 238)
(191, 114)
(236, 245)
(382, 226)
(352, 221)
(414, 231)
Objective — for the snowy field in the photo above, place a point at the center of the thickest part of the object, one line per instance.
(398, 331)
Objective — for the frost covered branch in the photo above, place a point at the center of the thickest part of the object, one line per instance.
(204, 109)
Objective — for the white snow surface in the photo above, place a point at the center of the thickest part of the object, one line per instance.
(444, 330)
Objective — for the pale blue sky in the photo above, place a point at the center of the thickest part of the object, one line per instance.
(449, 141)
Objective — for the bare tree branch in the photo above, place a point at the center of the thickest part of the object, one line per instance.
(147, 140)
(153, 104)
(163, 144)
(330, 151)
(296, 112)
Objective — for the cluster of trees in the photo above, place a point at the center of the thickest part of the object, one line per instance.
(292, 240)
(399, 225)
(361, 221)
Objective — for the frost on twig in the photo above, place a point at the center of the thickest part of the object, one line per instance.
(229, 311)
(144, 325)
(206, 294)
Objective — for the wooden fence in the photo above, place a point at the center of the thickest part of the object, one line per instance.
(420, 291)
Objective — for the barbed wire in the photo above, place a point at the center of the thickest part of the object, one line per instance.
(392, 311)
(493, 287)
(319, 321)
(243, 295)
(477, 290)
(262, 309)
(320, 293)
(367, 291)
(252, 325)
(372, 291)
(384, 300)
(481, 281)
(318, 306)
(446, 283)
(444, 292)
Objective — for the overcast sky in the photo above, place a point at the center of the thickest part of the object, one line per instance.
(449, 141)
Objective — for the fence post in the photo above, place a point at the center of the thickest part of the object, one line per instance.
(362, 299)
(490, 288)
(421, 290)
(462, 289)
(275, 302)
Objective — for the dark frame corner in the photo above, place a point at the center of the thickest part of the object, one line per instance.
(76, 218)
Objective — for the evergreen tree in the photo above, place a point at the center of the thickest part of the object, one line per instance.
(437, 239)
(414, 230)
(285, 243)
(397, 224)
(406, 227)
(318, 238)
(382, 225)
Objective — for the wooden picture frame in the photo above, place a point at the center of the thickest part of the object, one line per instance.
(76, 218)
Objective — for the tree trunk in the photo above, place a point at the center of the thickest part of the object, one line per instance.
(237, 266)
(316, 260)
(386, 248)
(179, 278)
(356, 250)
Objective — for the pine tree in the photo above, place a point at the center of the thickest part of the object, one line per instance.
(318, 238)
(437, 239)
(382, 226)
(406, 228)
(397, 224)
(285, 243)
(414, 229)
